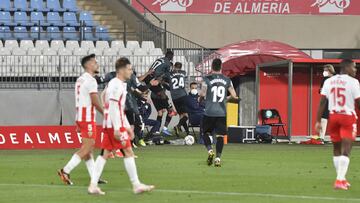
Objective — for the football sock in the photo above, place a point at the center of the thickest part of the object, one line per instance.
(90, 164)
(336, 163)
(98, 168)
(323, 128)
(74, 161)
(183, 122)
(207, 141)
(167, 121)
(130, 167)
(219, 146)
(343, 167)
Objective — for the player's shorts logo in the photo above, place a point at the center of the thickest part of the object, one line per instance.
(173, 5)
(331, 6)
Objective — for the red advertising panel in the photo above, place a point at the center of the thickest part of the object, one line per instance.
(42, 137)
(281, 7)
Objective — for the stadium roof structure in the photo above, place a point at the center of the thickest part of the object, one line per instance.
(243, 57)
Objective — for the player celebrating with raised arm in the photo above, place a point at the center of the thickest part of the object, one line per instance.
(86, 99)
(341, 92)
(214, 88)
(117, 130)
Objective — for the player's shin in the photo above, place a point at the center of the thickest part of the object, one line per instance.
(207, 141)
(74, 161)
(343, 167)
(219, 145)
(90, 165)
(130, 166)
(336, 163)
(98, 168)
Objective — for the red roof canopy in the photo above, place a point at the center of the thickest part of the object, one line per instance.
(240, 58)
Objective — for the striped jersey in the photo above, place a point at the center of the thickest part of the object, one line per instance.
(115, 91)
(84, 86)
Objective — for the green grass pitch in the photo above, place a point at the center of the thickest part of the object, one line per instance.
(250, 173)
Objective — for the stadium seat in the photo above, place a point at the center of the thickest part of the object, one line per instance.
(87, 18)
(51, 62)
(180, 59)
(140, 52)
(88, 34)
(110, 52)
(54, 19)
(20, 61)
(70, 33)
(101, 45)
(38, 5)
(70, 5)
(65, 52)
(125, 52)
(102, 33)
(5, 33)
(5, 19)
(117, 44)
(97, 52)
(11, 44)
(42, 44)
(21, 5)
(5, 5)
(156, 52)
(37, 33)
(37, 18)
(5, 62)
(57, 44)
(34, 62)
(87, 45)
(53, 33)
(20, 18)
(50, 52)
(70, 19)
(20, 33)
(26, 44)
(132, 45)
(147, 45)
(72, 45)
(54, 5)
(80, 52)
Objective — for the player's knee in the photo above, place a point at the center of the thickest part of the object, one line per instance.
(128, 152)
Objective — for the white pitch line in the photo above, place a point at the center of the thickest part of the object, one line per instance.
(201, 192)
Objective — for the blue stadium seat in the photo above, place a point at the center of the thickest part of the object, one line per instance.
(20, 18)
(20, 33)
(38, 5)
(70, 33)
(70, 19)
(70, 5)
(6, 6)
(21, 5)
(88, 34)
(38, 17)
(37, 33)
(53, 33)
(102, 33)
(5, 33)
(87, 18)
(5, 19)
(54, 5)
(54, 19)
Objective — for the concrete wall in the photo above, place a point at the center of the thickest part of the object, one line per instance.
(306, 32)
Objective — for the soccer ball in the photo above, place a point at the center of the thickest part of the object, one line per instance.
(189, 140)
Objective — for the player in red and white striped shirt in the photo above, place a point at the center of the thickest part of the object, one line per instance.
(87, 100)
(342, 92)
(117, 130)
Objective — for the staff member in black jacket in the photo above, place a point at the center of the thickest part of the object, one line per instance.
(328, 72)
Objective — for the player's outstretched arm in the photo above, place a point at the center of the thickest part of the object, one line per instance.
(96, 102)
(321, 109)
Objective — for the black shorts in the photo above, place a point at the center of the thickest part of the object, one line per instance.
(130, 115)
(325, 114)
(217, 124)
(180, 105)
(160, 103)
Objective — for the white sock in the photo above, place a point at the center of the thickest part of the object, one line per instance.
(336, 163)
(90, 165)
(74, 161)
(98, 168)
(130, 167)
(323, 128)
(343, 167)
